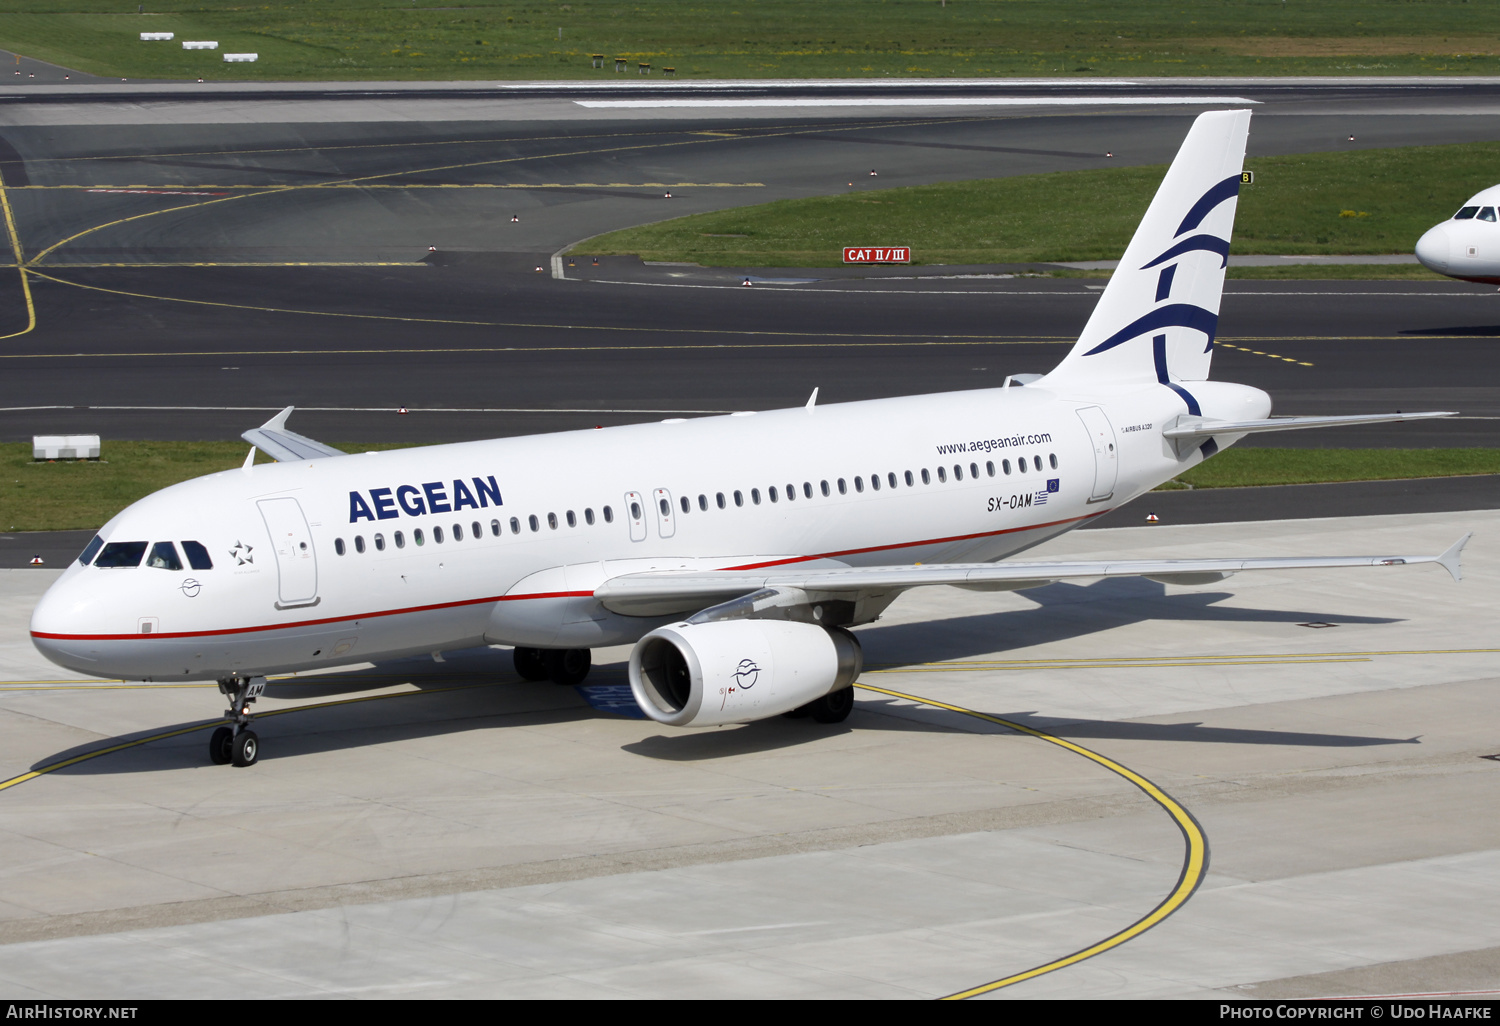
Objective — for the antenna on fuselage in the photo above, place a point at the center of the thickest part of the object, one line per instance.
(812, 401)
(249, 459)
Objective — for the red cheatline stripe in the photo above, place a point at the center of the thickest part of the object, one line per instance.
(534, 595)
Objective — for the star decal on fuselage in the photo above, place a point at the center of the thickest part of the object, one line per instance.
(241, 553)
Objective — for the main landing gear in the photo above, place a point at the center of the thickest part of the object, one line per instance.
(833, 707)
(235, 742)
(559, 665)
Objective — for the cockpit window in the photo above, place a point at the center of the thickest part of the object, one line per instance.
(119, 554)
(164, 557)
(1486, 213)
(1465, 213)
(197, 556)
(90, 550)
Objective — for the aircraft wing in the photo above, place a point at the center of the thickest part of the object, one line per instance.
(283, 446)
(664, 592)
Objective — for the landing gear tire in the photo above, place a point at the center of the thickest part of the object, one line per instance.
(799, 713)
(568, 666)
(530, 663)
(221, 746)
(246, 748)
(833, 707)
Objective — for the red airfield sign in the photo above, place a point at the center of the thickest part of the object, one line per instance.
(877, 254)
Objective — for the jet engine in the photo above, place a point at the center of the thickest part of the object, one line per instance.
(734, 671)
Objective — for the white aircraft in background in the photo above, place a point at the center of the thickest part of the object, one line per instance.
(734, 552)
(1467, 245)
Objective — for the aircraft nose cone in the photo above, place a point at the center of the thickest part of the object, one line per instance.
(1432, 249)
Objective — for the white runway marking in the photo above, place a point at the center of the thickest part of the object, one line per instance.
(925, 101)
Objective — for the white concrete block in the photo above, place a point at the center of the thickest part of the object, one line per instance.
(240, 58)
(65, 447)
(149, 36)
(199, 44)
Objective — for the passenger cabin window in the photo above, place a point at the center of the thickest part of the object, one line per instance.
(926, 477)
(478, 531)
(890, 479)
(824, 485)
(703, 502)
(91, 550)
(359, 543)
(989, 467)
(338, 546)
(843, 488)
(791, 493)
(495, 524)
(164, 557)
(665, 507)
(807, 489)
(515, 526)
(380, 543)
(874, 481)
(942, 475)
(1465, 213)
(588, 516)
(533, 522)
(1486, 214)
(686, 504)
(974, 471)
(635, 511)
(755, 496)
(719, 498)
(437, 536)
(609, 515)
(1036, 461)
(1052, 459)
(197, 556)
(739, 498)
(552, 521)
(121, 554)
(400, 540)
(1021, 464)
(772, 494)
(458, 532)
(572, 519)
(908, 479)
(1005, 465)
(417, 537)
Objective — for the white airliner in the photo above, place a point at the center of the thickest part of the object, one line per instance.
(734, 552)
(1467, 245)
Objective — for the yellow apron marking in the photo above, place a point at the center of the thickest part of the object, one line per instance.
(15, 246)
(1194, 863)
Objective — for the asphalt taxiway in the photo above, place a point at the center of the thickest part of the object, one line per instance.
(1272, 786)
(186, 275)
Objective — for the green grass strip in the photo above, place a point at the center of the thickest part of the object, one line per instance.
(82, 494)
(1241, 468)
(554, 39)
(1355, 202)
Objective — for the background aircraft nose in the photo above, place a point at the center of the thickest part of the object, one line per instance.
(1432, 249)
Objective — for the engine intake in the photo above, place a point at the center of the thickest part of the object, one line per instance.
(735, 671)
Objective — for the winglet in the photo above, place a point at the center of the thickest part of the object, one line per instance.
(1449, 559)
(282, 445)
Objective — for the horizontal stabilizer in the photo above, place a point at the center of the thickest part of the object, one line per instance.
(1201, 427)
(283, 446)
(657, 592)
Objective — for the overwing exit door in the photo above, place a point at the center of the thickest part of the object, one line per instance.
(1106, 454)
(296, 564)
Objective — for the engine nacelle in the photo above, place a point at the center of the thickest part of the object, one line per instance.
(735, 671)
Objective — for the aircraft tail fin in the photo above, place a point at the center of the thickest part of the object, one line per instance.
(1157, 318)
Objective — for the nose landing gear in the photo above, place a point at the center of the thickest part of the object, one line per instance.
(235, 742)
